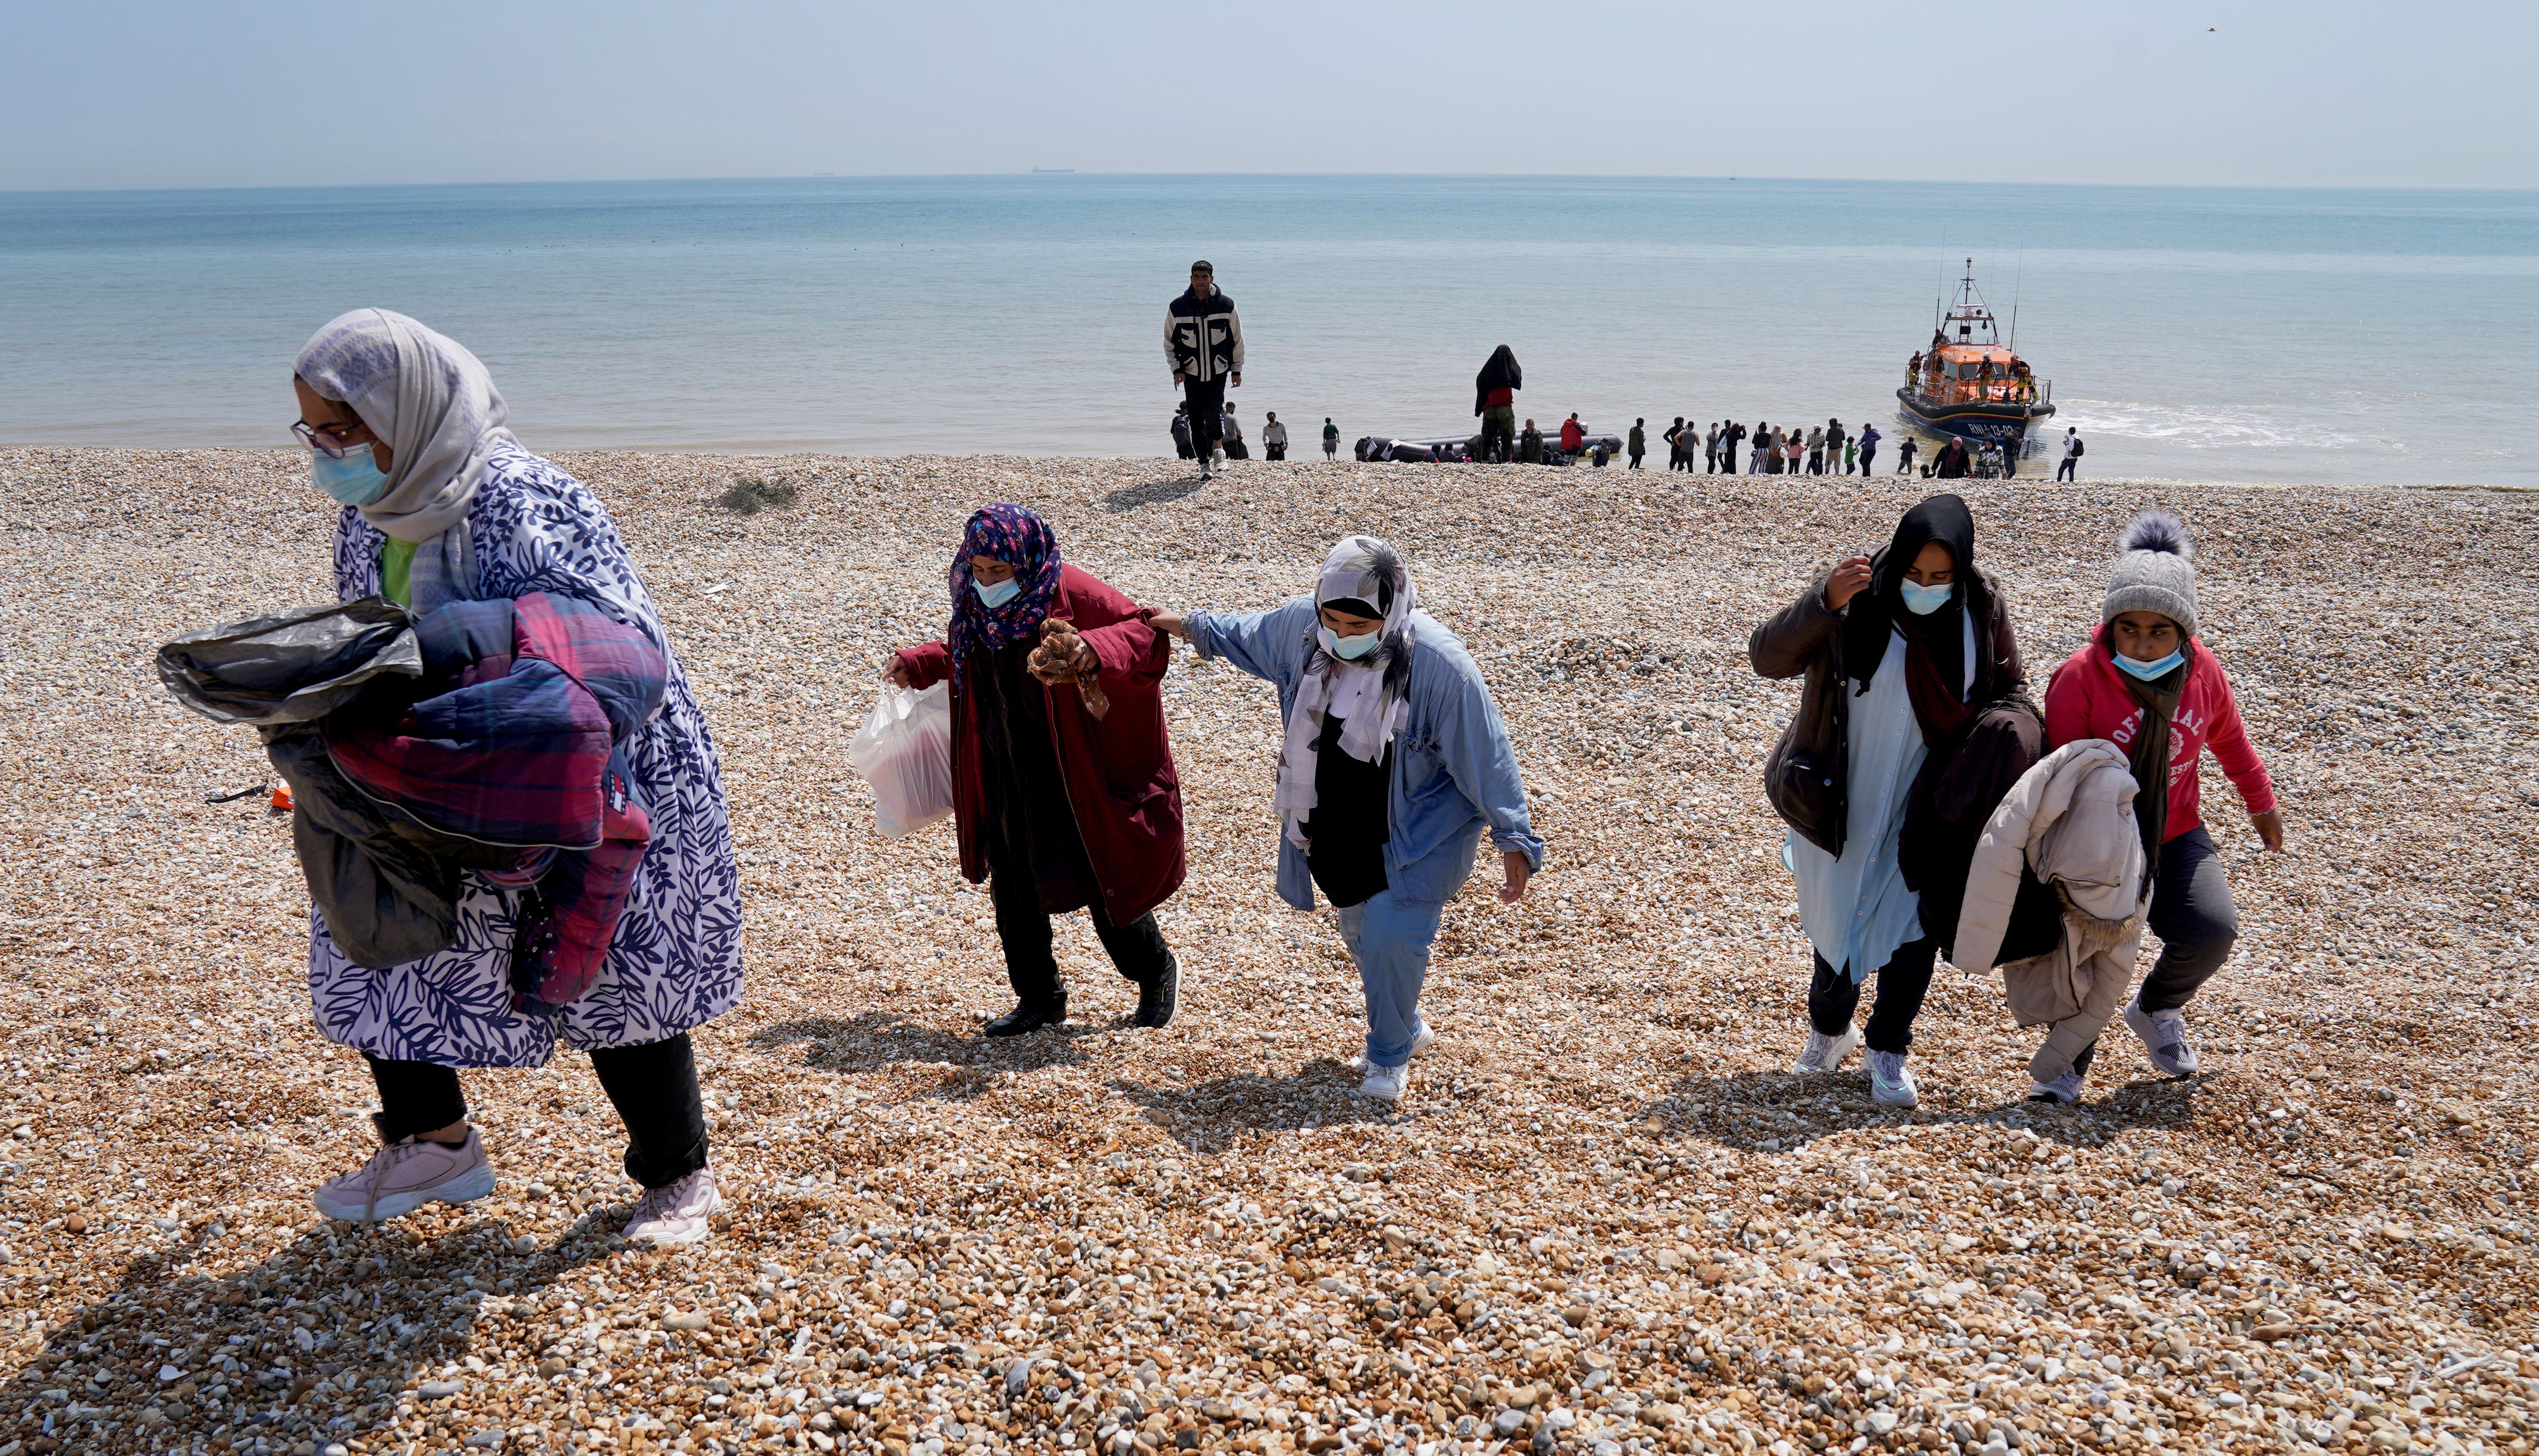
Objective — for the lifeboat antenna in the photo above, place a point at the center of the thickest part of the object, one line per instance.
(2015, 279)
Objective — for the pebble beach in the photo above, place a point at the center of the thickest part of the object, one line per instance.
(1604, 1220)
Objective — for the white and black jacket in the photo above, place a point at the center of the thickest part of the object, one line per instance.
(1202, 337)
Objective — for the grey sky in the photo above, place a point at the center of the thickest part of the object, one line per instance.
(2330, 92)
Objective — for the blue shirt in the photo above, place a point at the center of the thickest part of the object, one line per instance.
(1454, 775)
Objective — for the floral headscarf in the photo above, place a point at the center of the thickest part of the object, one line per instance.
(1021, 540)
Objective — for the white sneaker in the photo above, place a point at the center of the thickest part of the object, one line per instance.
(682, 1212)
(1216, 458)
(1385, 1084)
(2063, 1090)
(405, 1176)
(2163, 1035)
(1825, 1053)
(1889, 1085)
(1420, 1043)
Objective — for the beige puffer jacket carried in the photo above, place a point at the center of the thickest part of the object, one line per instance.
(2071, 819)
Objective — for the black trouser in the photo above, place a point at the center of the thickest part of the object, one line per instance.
(1832, 996)
(654, 1086)
(2197, 922)
(1208, 412)
(1274, 452)
(2064, 471)
(1867, 458)
(1137, 948)
(2195, 918)
(1636, 457)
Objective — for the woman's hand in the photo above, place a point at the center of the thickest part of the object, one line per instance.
(894, 670)
(1850, 575)
(1517, 871)
(1170, 623)
(2269, 828)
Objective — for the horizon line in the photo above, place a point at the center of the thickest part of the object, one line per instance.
(1053, 173)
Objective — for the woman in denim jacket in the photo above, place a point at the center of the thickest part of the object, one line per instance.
(1395, 763)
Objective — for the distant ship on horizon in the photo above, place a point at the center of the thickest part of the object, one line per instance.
(1053, 169)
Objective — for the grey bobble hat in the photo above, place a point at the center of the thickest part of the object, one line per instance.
(2154, 571)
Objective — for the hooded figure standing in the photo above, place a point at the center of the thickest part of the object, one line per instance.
(1902, 652)
(1063, 792)
(1395, 764)
(1494, 400)
(444, 508)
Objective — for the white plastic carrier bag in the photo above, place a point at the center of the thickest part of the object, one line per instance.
(904, 752)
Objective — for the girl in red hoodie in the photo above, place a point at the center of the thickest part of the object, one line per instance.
(2145, 684)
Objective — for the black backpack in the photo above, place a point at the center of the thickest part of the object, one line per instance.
(2078, 448)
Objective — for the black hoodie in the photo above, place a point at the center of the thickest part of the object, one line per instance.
(1501, 373)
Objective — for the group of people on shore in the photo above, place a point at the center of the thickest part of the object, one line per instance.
(1930, 800)
(1203, 344)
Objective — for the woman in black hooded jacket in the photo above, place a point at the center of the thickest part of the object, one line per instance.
(1914, 703)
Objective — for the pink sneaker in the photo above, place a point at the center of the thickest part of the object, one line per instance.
(405, 1175)
(682, 1212)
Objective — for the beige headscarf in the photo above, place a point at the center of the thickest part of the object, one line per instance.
(424, 394)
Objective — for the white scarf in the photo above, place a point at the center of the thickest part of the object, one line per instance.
(424, 394)
(1368, 694)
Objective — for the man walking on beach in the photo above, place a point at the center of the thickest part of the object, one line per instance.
(1573, 435)
(1273, 439)
(1203, 343)
(1869, 439)
(1331, 440)
(2070, 468)
(1639, 441)
(1728, 447)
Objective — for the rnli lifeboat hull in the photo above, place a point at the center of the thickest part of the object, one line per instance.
(2001, 424)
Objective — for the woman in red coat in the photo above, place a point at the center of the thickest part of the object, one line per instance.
(1063, 784)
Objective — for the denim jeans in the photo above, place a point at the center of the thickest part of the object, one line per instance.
(1390, 942)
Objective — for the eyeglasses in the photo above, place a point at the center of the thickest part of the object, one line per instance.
(327, 439)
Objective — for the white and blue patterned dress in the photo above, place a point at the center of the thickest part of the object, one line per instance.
(675, 962)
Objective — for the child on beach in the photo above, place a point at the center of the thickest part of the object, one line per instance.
(1395, 766)
(2145, 683)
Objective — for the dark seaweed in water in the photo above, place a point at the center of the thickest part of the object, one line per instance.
(754, 494)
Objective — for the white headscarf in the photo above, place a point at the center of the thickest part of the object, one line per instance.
(424, 394)
(1370, 694)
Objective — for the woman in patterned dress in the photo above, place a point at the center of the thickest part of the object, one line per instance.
(443, 504)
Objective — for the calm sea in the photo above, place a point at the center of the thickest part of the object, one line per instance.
(2212, 333)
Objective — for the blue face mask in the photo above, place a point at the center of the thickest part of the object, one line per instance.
(997, 595)
(1922, 600)
(2147, 671)
(1350, 650)
(354, 480)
